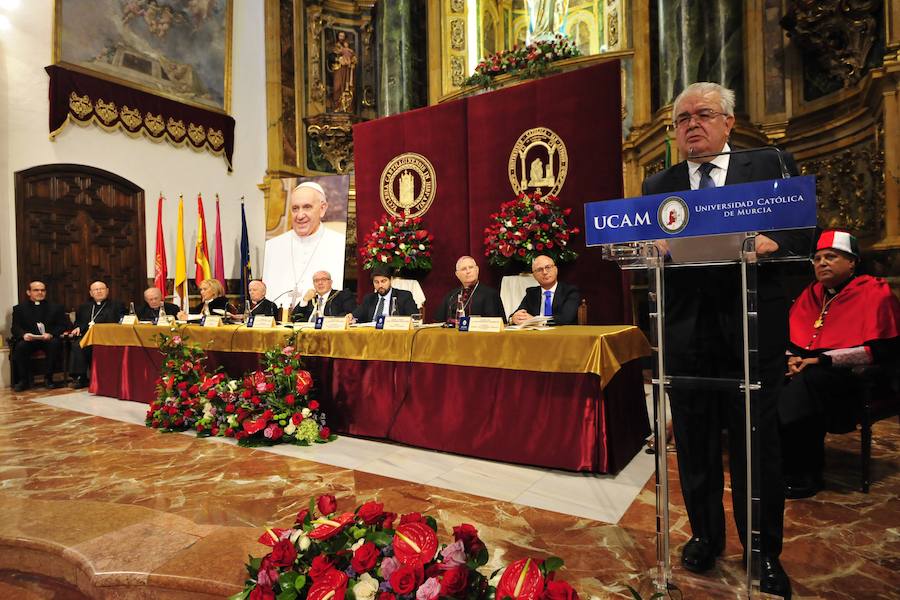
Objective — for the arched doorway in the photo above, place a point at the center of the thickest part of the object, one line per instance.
(77, 224)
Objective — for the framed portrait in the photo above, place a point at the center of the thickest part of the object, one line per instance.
(179, 49)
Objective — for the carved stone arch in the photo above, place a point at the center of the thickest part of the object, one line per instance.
(77, 224)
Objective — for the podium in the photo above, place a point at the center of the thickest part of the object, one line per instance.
(702, 229)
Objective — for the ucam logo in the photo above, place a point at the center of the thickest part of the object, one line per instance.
(673, 215)
(616, 221)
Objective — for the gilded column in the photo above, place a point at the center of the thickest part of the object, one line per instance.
(698, 41)
(401, 56)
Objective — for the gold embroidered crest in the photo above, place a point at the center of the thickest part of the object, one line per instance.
(106, 111)
(408, 185)
(197, 133)
(154, 124)
(538, 162)
(215, 138)
(175, 128)
(131, 117)
(80, 105)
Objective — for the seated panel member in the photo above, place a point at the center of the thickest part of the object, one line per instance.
(257, 304)
(212, 300)
(154, 307)
(36, 325)
(840, 321)
(551, 298)
(380, 301)
(100, 309)
(323, 301)
(473, 297)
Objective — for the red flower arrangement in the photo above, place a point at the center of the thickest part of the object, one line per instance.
(527, 227)
(399, 243)
(373, 554)
(527, 62)
(268, 406)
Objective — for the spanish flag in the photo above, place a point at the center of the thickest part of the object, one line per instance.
(201, 252)
(181, 287)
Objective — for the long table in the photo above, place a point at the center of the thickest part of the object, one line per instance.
(569, 398)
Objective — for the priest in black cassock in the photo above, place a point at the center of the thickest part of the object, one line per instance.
(472, 298)
(257, 304)
(154, 307)
(100, 309)
(36, 325)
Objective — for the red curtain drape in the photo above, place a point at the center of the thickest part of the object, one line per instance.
(469, 142)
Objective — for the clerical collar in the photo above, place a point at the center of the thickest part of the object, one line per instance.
(99, 303)
(311, 238)
(471, 288)
(835, 290)
(37, 302)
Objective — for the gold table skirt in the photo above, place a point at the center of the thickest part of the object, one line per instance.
(600, 350)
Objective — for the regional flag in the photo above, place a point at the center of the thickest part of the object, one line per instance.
(181, 283)
(201, 250)
(246, 272)
(160, 269)
(220, 254)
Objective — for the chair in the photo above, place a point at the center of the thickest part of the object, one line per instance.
(582, 312)
(879, 399)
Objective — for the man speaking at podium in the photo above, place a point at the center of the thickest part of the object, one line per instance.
(704, 338)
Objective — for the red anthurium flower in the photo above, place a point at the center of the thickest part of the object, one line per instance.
(522, 580)
(326, 528)
(415, 543)
(331, 586)
(254, 426)
(304, 382)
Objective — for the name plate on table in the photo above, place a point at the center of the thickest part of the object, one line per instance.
(331, 323)
(129, 320)
(491, 324)
(394, 323)
(261, 321)
(211, 321)
(757, 206)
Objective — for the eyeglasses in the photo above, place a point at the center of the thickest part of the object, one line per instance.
(702, 116)
(321, 279)
(544, 269)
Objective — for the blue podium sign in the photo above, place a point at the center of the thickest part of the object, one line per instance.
(757, 206)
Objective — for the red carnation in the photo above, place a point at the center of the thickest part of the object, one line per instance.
(283, 554)
(313, 405)
(289, 399)
(325, 433)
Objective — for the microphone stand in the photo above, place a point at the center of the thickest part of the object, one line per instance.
(785, 174)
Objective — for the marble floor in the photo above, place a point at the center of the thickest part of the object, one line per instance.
(96, 505)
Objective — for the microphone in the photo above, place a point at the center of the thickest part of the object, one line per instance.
(285, 312)
(785, 174)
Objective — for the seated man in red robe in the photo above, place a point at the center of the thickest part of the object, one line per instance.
(840, 321)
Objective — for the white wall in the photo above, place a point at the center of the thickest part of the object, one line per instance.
(25, 49)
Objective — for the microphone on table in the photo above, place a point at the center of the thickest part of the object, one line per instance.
(785, 174)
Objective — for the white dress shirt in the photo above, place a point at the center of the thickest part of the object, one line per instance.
(718, 174)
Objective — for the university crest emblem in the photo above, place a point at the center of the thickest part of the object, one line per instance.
(538, 162)
(408, 185)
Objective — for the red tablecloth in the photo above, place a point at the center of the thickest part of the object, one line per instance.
(557, 420)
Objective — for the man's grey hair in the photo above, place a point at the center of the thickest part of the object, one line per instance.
(701, 88)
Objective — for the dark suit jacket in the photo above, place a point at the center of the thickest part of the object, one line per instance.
(265, 308)
(337, 304)
(485, 302)
(111, 312)
(565, 303)
(216, 304)
(26, 316)
(703, 302)
(145, 313)
(406, 306)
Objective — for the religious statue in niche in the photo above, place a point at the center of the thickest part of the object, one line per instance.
(546, 18)
(342, 65)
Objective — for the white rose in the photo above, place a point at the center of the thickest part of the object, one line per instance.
(358, 544)
(304, 543)
(305, 412)
(509, 223)
(528, 246)
(232, 421)
(290, 429)
(384, 259)
(421, 246)
(366, 587)
(402, 246)
(296, 535)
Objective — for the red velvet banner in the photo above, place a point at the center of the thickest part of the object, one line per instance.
(478, 144)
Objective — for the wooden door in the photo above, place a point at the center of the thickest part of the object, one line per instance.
(76, 225)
